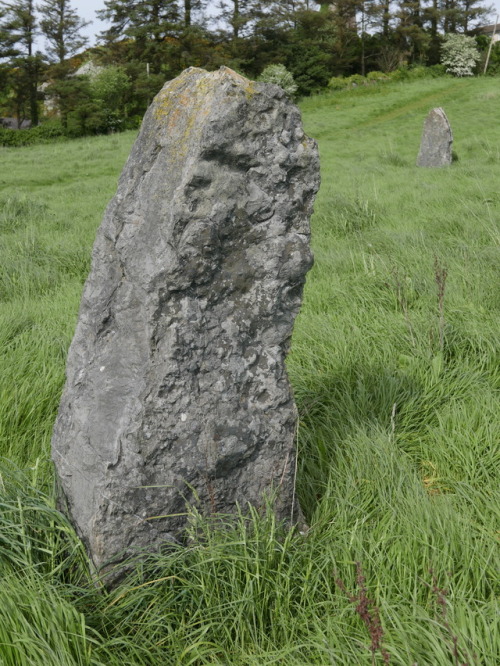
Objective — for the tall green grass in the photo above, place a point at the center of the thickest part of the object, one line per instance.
(395, 369)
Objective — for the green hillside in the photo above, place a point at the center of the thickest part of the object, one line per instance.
(395, 368)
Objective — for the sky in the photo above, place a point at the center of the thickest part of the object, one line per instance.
(86, 10)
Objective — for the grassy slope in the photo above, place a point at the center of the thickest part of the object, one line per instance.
(398, 404)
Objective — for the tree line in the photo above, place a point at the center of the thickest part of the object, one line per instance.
(147, 42)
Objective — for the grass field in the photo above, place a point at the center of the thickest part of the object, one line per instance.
(395, 368)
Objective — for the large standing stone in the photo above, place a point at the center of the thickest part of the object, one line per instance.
(176, 386)
(437, 140)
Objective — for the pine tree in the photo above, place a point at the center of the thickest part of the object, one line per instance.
(451, 15)
(143, 19)
(471, 14)
(147, 22)
(242, 16)
(17, 32)
(61, 26)
(19, 27)
(4, 37)
(120, 13)
(384, 12)
(413, 39)
(191, 10)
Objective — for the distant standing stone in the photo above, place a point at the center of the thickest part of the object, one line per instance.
(176, 389)
(437, 140)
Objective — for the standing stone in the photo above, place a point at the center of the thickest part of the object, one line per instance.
(176, 389)
(437, 140)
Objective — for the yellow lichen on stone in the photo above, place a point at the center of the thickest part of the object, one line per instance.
(180, 108)
(250, 89)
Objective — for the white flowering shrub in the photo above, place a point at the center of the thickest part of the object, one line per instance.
(459, 54)
(279, 75)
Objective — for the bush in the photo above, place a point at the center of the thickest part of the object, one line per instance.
(341, 83)
(133, 122)
(459, 55)
(45, 133)
(310, 68)
(399, 74)
(494, 64)
(356, 80)
(280, 76)
(418, 72)
(377, 76)
(404, 73)
(337, 83)
(110, 87)
(435, 71)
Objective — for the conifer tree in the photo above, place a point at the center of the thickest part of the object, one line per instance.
(62, 29)
(19, 26)
(147, 22)
(140, 19)
(238, 15)
(191, 10)
(18, 30)
(471, 14)
(410, 34)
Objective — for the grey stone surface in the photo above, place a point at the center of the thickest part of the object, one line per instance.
(437, 140)
(176, 387)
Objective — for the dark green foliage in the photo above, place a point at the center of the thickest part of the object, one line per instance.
(17, 42)
(310, 68)
(147, 25)
(68, 93)
(494, 63)
(41, 134)
(308, 55)
(151, 42)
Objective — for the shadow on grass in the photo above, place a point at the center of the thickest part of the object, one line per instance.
(336, 407)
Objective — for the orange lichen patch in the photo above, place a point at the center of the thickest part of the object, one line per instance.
(230, 72)
(247, 85)
(178, 109)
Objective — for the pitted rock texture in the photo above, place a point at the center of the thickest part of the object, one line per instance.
(437, 141)
(176, 389)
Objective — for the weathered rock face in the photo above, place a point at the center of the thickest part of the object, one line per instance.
(437, 140)
(176, 386)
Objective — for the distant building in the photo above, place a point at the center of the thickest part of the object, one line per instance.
(13, 123)
(488, 30)
(50, 105)
(89, 69)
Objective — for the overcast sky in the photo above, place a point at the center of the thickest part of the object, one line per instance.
(86, 10)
